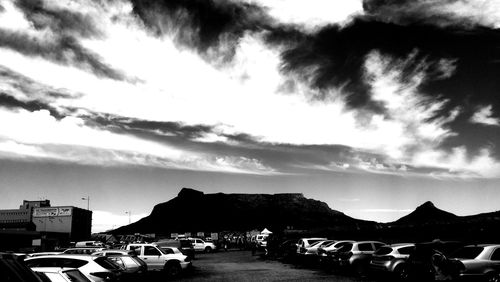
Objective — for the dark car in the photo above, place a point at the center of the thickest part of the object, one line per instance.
(13, 269)
(184, 245)
(478, 262)
(429, 260)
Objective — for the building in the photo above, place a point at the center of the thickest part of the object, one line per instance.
(37, 224)
(66, 222)
(20, 217)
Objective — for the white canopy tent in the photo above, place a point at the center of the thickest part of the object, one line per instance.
(266, 231)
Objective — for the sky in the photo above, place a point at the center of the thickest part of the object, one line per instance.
(373, 106)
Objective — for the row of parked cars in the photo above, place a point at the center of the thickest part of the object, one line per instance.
(93, 262)
(426, 261)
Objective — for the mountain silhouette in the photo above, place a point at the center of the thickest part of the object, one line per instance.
(427, 213)
(194, 211)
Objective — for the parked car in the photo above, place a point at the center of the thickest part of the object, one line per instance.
(82, 251)
(327, 253)
(287, 249)
(303, 243)
(132, 265)
(13, 269)
(167, 259)
(96, 269)
(479, 262)
(57, 274)
(422, 263)
(200, 245)
(184, 245)
(391, 260)
(356, 256)
(313, 249)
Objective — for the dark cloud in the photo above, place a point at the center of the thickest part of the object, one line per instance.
(12, 103)
(159, 128)
(64, 50)
(204, 25)
(59, 20)
(335, 55)
(32, 89)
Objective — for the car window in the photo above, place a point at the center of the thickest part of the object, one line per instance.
(467, 252)
(167, 251)
(346, 248)
(136, 249)
(129, 262)
(76, 276)
(106, 263)
(117, 261)
(496, 255)
(52, 277)
(383, 251)
(365, 247)
(406, 250)
(378, 245)
(314, 241)
(151, 251)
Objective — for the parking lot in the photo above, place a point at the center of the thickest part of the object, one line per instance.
(242, 266)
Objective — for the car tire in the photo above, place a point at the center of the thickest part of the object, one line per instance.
(492, 277)
(173, 269)
(208, 249)
(401, 273)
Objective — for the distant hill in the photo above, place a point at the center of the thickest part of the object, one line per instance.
(195, 211)
(427, 213)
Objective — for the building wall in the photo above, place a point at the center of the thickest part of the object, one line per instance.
(73, 221)
(15, 216)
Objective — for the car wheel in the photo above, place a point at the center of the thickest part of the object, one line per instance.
(208, 250)
(492, 277)
(173, 269)
(401, 273)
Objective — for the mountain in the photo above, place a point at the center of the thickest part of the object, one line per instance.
(426, 213)
(194, 211)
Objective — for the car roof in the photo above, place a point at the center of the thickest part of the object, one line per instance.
(73, 256)
(52, 269)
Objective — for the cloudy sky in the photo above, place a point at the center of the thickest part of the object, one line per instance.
(373, 107)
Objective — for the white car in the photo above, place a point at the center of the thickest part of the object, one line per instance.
(312, 250)
(57, 274)
(96, 269)
(200, 245)
(304, 243)
(168, 259)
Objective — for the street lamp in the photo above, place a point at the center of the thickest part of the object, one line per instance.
(88, 202)
(129, 214)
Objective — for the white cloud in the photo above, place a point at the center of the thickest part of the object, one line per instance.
(104, 220)
(313, 13)
(484, 116)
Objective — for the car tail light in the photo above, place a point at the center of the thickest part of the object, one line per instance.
(347, 255)
(321, 251)
(303, 250)
(187, 259)
(105, 275)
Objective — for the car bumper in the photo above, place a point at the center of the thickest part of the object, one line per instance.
(186, 265)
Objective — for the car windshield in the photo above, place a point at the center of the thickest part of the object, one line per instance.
(316, 244)
(383, 251)
(467, 252)
(328, 244)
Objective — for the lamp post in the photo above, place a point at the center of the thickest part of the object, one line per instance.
(129, 214)
(88, 202)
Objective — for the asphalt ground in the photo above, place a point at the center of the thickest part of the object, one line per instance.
(242, 266)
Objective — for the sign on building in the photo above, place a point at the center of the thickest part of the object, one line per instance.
(64, 211)
(214, 236)
(45, 212)
(200, 234)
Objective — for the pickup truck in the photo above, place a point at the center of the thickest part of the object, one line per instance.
(167, 259)
(201, 246)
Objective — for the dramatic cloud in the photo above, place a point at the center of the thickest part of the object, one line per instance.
(236, 86)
